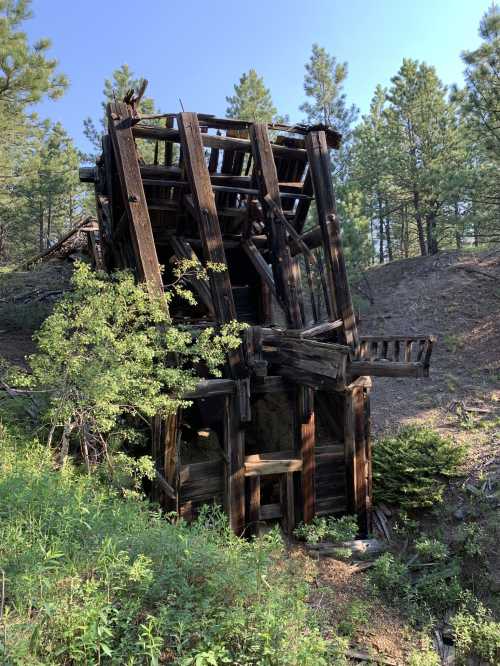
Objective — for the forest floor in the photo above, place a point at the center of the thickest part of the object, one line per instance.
(454, 295)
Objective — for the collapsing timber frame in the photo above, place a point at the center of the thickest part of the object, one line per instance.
(289, 422)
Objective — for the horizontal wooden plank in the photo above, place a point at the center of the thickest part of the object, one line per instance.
(390, 338)
(272, 467)
(270, 511)
(214, 141)
(385, 368)
(269, 456)
(208, 120)
(201, 471)
(210, 387)
(318, 330)
(332, 504)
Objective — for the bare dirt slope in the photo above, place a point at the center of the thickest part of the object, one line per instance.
(456, 296)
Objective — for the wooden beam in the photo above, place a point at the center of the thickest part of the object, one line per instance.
(208, 224)
(208, 388)
(280, 251)
(319, 164)
(262, 268)
(234, 452)
(264, 467)
(315, 331)
(134, 199)
(214, 141)
(386, 369)
(307, 441)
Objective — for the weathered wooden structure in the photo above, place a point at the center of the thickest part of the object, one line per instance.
(286, 433)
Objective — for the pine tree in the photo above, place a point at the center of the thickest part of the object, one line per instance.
(122, 80)
(26, 74)
(251, 100)
(482, 79)
(39, 189)
(480, 100)
(323, 84)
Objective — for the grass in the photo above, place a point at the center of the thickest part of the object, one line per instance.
(92, 577)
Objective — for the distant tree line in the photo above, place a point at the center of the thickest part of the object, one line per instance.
(417, 174)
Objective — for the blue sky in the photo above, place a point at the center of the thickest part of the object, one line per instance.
(196, 50)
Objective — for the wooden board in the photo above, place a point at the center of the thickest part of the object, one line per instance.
(208, 224)
(134, 198)
(319, 163)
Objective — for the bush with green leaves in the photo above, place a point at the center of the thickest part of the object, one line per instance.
(92, 577)
(110, 350)
(411, 468)
(327, 529)
(423, 592)
(476, 634)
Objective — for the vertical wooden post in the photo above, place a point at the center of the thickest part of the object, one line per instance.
(287, 284)
(284, 277)
(358, 453)
(287, 502)
(307, 436)
(234, 450)
(134, 199)
(319, 164)
(254, 503)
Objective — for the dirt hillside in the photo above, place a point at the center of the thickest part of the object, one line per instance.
(456, 296)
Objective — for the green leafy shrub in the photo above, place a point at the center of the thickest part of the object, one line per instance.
(411, 468)
(327, 529)
(423, 594)
(476, 634)
(109, 349)
(431, 550)
(92, 577)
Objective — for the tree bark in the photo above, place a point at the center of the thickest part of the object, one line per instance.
(420, 226)
(458, 237)
(40, 229)
(388, 235)
(2, 241)
(380, 230)
(432, 242)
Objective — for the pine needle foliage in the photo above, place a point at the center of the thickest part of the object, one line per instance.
(411, 469)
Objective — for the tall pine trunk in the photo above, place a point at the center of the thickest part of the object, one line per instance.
(40, 229)
(458, 236)
(420, 225)
(430, 226)
(380, 230)
(2, 241)
(49, 224)
(388, 235)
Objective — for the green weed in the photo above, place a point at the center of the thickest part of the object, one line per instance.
(93, 577)
(327, 529)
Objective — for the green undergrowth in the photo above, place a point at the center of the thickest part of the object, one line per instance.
(336, 530)
(438, 570)
(96, 577)
(440, 584)
(411, 469)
